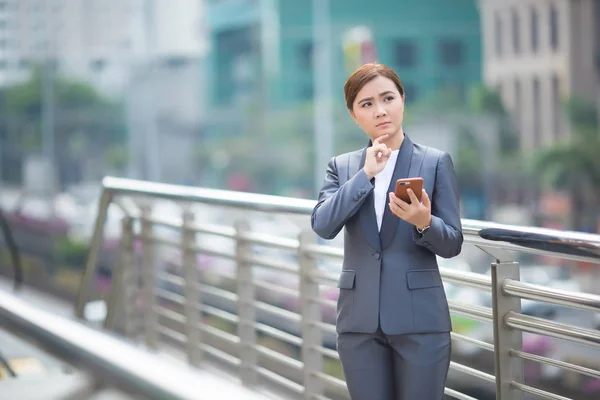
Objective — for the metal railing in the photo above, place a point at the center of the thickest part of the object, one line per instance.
(108, 361)
(177, 306)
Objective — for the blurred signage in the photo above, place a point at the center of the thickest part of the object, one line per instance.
(359, 48)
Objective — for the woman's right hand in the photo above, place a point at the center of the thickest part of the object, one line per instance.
(377, 157)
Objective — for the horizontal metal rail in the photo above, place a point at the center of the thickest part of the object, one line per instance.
(497, 240)
(556, 363)
(114, 361)
(557, 330)
(581, 301)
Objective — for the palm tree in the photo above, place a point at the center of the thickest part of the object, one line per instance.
(574, 165)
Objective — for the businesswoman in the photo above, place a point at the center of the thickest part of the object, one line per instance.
(393, 321)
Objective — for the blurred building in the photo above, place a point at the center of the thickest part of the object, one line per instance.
(263, 50)
(538, 53)
(84, 39)
(98, 41)
(148, 54)
(165, 90)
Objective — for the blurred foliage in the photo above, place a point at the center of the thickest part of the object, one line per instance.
(254, 151)
(333, 368)
(68, 280)
(469, 161)
(285, 139)
(485, 101)
(219, 323)
(86, 123)
(26, 97)
(71, 252)
(117, 156)
(478, 103)
(574, 165)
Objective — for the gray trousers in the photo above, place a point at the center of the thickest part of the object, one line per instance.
(395, 367)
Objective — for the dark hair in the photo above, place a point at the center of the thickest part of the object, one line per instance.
(366, 74)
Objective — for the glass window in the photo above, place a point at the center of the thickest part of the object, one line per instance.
(498, 31)
(451, 52)
(405, 53)
(554, 28)
(305, 55)
(411, 92)
(534, 30)
(536, 112)
(516, 31)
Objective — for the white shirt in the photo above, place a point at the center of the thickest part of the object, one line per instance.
(382, 183)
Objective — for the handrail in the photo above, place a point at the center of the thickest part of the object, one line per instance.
(250, 201)
(555, 242)
(292, 205)
(112, 360)
(247, 307)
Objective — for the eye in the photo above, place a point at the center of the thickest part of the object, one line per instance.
(368, 103)
(389, 98)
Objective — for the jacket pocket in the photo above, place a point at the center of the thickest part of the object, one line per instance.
(347, 278)
(429, 304)
(423, 279)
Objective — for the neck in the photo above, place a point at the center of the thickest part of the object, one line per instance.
(396, 140)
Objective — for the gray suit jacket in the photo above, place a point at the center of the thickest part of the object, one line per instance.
(390, 276)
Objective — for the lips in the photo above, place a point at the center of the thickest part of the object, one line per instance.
(383, 124)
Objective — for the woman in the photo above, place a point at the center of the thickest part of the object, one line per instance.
(393, 321)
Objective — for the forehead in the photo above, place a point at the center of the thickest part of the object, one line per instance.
(376, 86)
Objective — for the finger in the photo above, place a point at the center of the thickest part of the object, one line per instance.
(380, 147)
(399, 212)
(396, 210)
(380, 139)
(401, 204)
(382, 152)
(425, 198)
(412, 196)
(393, 208)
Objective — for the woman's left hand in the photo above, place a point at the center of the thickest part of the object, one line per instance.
(416, 212)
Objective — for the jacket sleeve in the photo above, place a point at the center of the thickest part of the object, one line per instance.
(336, 204)
(444, 237)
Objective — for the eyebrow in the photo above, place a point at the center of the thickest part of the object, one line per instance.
(380, 94)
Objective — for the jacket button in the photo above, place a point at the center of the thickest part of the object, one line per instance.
(356, 198)
(377, 256)
(363, 191)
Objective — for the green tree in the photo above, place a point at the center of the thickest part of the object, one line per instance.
(85, 122)
(574, 164)
(486, 101)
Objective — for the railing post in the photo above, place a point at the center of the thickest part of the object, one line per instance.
(117, 295)
(246, 308)
(190, 288)
(508, 368)
(149, 280)
(130, 286)
(95, 247)
(312, 336)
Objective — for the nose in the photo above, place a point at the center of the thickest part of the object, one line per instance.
(380, 110)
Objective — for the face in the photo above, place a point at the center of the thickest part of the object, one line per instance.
(379, 109)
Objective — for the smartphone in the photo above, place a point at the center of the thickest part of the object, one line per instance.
(416, 184)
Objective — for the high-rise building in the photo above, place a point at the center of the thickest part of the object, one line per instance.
(432, 44)
(538, 53)
(98, 41)
(81, 38)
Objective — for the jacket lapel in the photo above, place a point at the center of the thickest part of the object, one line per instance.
(367, 218)
(408, 164)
